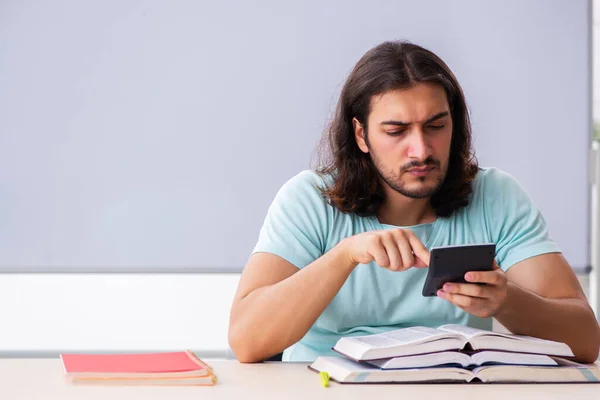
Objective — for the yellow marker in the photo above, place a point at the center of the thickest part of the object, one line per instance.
(324, 378)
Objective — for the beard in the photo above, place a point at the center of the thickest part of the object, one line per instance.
(413, 187)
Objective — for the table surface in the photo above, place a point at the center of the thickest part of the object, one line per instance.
(34, 379)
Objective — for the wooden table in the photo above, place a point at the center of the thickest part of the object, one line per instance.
(37, 379)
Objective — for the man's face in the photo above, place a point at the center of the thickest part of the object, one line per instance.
(409, 135)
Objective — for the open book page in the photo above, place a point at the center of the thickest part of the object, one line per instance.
(458, 359)
(347, 371)
(482, 339)
(518, 373)
(469, 332)
(502, 357)
(414, 335)
(398, 342)
(446, 358)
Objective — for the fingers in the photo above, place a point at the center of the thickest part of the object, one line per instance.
(397, 250)
(399, 243)
(418, 247)
(408, 260)
(379, 254)
(393, 253)
(468, 289)
(479, 306)
(463, 301)
(419, 263)
(495, 277)
(483, 296)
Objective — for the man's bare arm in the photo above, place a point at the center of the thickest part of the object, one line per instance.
(545, 300)
(276, 303)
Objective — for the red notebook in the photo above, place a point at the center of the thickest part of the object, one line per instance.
(172, 365)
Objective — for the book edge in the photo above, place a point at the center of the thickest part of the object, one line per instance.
(198, 361)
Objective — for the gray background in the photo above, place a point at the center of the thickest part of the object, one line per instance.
(153, 135)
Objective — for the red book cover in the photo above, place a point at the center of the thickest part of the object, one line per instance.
(182, 363)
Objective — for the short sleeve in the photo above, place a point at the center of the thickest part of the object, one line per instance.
(515, 223)
(296, 224)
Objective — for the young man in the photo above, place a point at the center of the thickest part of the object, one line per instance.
(343, 250)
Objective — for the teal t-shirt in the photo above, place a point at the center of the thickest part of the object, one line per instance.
(301, 226)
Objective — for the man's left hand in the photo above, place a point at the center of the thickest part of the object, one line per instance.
(483, 296)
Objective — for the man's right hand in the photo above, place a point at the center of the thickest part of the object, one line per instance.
(393, 249)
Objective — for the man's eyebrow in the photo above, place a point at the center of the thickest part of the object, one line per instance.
(401, 123)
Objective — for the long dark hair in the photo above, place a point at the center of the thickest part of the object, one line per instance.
(355, 186)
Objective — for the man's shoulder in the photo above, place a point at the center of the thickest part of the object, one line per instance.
(305, 186)
(493, 180)
(306, 176)
(494, 191)
(306, 180)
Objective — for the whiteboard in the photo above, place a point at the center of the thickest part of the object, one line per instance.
(153, 135)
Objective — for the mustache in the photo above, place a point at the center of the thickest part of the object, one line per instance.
(429, 162)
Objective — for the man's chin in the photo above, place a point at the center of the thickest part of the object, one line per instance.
(419, 194)
(417, 191)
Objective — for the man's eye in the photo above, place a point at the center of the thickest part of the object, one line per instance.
(436, 127)
(396, 133)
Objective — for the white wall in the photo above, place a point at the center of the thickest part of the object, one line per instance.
(596, 60)
(50, 313)
(113, 312)
(149, 133)
(595, 192)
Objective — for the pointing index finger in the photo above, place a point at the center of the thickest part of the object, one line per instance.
(418, 248)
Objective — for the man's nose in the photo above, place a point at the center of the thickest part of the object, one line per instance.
(419, 148)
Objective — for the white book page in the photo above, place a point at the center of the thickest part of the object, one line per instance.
(424, 360)
(400, 336)
(469, 333)
(533, 339)
(508, 373)
(345, 370)
(465, 331)
(512, 358)
(348, 366)
(482, 339)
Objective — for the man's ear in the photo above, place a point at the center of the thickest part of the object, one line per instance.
(359, 135)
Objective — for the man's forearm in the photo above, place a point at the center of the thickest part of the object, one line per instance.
(565, 320)
(272, 318)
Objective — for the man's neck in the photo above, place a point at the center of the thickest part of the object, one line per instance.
(400, 210)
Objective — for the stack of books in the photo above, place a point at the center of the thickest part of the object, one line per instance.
(169, 369)
(452, 353)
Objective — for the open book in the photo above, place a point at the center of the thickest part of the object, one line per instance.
(420, 340)
(344, 370)
(464, 360)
